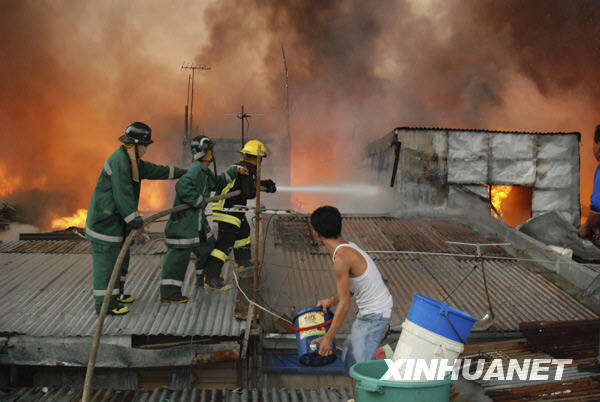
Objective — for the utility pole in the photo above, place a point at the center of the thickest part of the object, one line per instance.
(189, 107)
(287, 95)
(244, 116)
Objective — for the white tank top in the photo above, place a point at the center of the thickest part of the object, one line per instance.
(371, 294)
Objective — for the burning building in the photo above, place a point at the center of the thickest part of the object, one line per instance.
(538, 172)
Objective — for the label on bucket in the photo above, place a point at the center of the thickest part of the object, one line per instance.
(310, 319)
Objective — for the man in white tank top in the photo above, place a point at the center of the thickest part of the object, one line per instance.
(356, 275)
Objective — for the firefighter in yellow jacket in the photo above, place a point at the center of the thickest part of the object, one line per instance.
(113, 211)
(234, 231)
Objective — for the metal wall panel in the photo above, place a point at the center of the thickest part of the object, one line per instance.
(467, 145)
(512, 172)
(555, 174)
(512, 146)
(558, 147)
(467, 171)
(551, 200)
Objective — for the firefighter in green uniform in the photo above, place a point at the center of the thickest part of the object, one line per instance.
(113, 211)
(234, 231)
(188, 231)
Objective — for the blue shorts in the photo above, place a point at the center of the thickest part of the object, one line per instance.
(367, 333)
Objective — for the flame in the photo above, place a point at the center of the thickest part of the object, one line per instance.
(499, 194)
(77, 220)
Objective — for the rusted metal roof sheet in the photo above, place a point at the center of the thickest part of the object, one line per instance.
(79, 246)
(517, 294)
(192, 395)
(51, 295)
(573, 385)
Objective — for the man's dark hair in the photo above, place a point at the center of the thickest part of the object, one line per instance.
(327, 221)
(597, 134)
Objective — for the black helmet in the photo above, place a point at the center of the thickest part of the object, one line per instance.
(137, 133)
(200, 146)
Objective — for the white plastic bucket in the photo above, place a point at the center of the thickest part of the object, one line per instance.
(417, 342)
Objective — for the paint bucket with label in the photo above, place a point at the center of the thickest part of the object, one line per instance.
(312, 323)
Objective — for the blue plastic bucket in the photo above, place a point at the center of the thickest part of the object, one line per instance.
(310, 317)
(429, 314)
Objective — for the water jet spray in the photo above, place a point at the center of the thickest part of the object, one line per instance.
(351, 189)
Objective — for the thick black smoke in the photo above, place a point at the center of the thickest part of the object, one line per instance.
(73, 74)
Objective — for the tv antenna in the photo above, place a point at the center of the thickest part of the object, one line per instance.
(190, 96)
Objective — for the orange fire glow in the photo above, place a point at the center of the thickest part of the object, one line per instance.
(76, 220)
(499, 194)
(8, 183)
(154, 195)
(512, 202)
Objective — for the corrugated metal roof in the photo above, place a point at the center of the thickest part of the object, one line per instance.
(80, 246)
(517, 293)
(193, 395)
(51, 295)
(574, 385)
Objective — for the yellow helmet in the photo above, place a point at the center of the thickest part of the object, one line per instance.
(251, 148)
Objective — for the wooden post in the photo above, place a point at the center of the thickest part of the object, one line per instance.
(257, 224)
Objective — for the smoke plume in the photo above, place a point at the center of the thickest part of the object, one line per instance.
(74, 74)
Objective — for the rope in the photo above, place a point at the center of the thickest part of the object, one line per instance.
(256, 304)
(461, 282)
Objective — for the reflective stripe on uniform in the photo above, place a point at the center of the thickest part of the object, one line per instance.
(171, 172)
(103, 292)
(171, 282)
(123, 278)
(131, 217)
(100, 236)
(221, 217)
(218, 205)
(218, 254)
(200, 199)
(107, 168)
(182, 241)
(228, 177)
(242, 242)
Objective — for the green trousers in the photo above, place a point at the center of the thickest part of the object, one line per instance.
(104, 257)
(175, 266)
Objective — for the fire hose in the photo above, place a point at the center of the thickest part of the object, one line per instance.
(113, 278)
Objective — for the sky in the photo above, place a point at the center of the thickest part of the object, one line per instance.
(74, 74)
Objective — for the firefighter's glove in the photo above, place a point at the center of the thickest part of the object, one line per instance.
(269, 185)
(137, 223)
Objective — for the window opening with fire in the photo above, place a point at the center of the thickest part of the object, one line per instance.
(513, 203)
